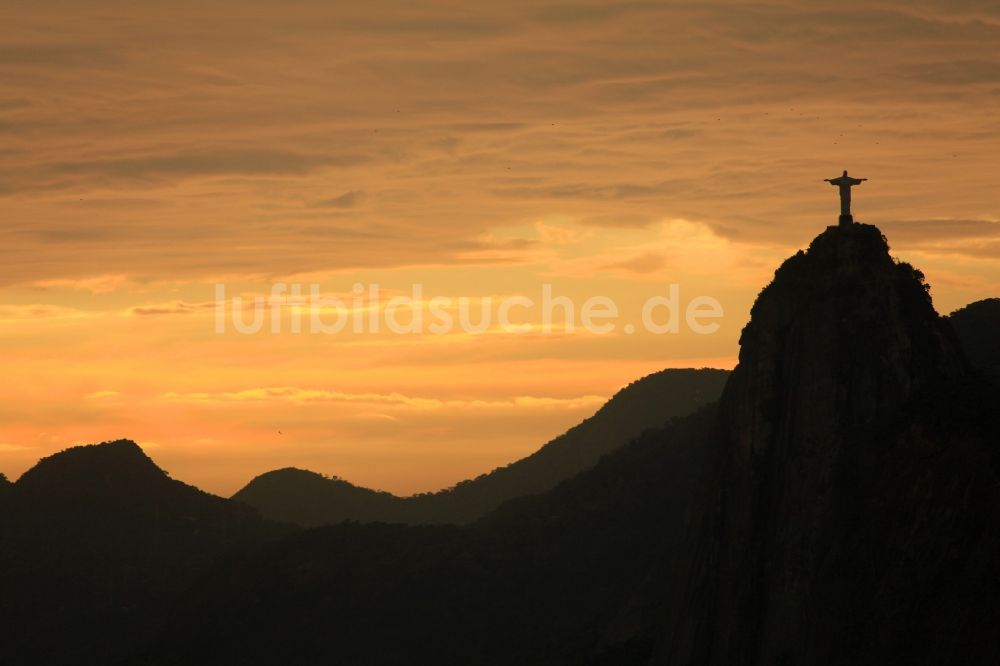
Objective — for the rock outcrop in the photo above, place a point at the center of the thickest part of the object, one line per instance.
(850, 515)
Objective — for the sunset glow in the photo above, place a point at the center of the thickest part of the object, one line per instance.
(149, 153)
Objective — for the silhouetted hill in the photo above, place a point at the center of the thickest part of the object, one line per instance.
(95, 543)
(98, 473)
(978, 328)
(840, 506)
(546, 579)
(309, 499)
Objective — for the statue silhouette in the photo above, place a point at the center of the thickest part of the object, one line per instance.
(845, 183)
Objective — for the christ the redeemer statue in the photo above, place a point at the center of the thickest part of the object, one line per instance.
(845, 183)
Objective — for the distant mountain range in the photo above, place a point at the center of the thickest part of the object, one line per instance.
(840, 504)
(310, 499)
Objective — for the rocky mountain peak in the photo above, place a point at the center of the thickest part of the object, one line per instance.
(842, 335)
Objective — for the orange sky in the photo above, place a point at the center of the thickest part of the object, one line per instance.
(148, 153)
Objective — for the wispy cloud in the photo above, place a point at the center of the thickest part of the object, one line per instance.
(172, 308)
(345, 200)
(100, 395)
(11, 448)
(305, 395)
(489, 129)
(644, 263)
(38, 311)
(97, 284)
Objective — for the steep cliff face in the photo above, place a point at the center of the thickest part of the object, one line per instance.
(850, 514)
(841, 336)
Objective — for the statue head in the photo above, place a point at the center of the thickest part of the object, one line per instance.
(845, 172)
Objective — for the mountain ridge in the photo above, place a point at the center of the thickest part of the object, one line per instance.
(310, 499)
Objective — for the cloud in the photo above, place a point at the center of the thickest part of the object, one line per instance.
(943, 229)
(956, 237)
(100, 395)
(485, 127)
(978, 249)
(41, 55)
(13, 103)
(549, 233)
(300, 395)
(345, 200)
(955, 73)
(625, 219)
(11, 448)
(194, 163)
(172, 308)
(647, 262)
(491, 128)
(584, 191)
(376, 417)
(561, 403)
(96, 284)
(38, 311)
